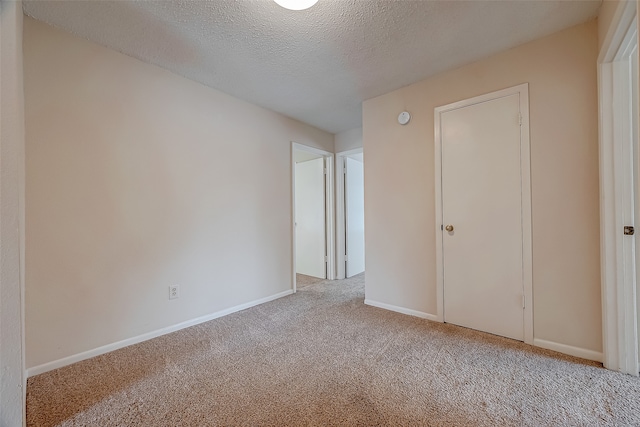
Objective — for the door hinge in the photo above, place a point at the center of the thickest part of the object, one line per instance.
(326, 259)
(346, 258)
(520, 119)
(524, 299)
(325, 171)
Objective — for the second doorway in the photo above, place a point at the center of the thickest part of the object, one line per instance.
(350, 213)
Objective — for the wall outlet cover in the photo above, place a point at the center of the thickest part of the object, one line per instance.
(174, 291)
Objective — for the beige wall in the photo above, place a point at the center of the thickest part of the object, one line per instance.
(12, 385)
(137, 179)
(399, 182)
(348, 140)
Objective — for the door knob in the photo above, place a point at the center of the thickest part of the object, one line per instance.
(449, 228)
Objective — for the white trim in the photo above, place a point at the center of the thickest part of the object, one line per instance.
(527, 232)
(331, 217)
(439, 222)
(294, 284)
(622, 19)
(329, 210)
(341, 243)
(402, 310)
(13, 378)
(341, 239)
(568, 349)
(46, 367)
(608, 241)
(619, 311)
(522, 91)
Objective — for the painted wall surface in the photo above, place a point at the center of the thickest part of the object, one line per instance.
(348, 140)
(137, 179)
(12, 402)
(399, 182)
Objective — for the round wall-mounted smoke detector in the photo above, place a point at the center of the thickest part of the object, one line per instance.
(296, 4)
(404, 117)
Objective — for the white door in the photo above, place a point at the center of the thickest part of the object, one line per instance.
(354, 216)
(482, 201)
(310, 218)
(635, 138)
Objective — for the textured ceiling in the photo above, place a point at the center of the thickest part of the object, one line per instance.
(316, 65)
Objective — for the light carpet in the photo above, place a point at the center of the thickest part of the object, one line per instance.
(303, 280)
(322, 358)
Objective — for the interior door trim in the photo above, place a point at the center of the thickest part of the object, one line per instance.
(329, 210)
(617, 264)
(525, 180)
(341, 156)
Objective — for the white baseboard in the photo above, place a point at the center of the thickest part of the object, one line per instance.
(549, 345)
(568, 349)
(50, 366)
(402, 310)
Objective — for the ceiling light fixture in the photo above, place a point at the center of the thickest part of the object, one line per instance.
(296, 4)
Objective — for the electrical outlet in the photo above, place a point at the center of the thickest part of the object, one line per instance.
(174, 291)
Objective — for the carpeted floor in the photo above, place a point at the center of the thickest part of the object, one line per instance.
(321, 358)
(303, 280)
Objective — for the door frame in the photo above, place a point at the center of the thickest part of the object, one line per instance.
(525, 168)
(329, 209)
(618, 252)
(341, 216)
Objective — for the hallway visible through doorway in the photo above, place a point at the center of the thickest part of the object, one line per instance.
(312, 202)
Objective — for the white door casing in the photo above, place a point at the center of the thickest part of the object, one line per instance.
(484, 268)
(634, 161)
(617, 142)
(354, 216)
(310, 218)
(341, 218)
(635, 113)
(301, 151)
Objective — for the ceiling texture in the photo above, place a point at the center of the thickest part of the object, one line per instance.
(316, 65)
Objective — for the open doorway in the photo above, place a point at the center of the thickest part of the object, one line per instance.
(312, 196)
(350, 213)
